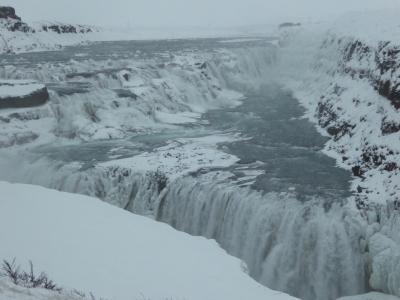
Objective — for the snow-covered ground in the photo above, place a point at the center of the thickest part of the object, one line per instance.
(85, 244)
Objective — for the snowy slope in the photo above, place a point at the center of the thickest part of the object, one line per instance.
(10, 291)
(88, 245)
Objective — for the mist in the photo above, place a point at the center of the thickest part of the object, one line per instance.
(183, 13)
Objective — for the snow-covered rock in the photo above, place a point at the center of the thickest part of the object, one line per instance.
(22, 93)
(10, 291)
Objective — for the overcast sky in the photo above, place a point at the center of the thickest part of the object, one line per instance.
(179, 13)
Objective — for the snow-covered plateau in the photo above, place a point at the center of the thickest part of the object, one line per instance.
(207, 136)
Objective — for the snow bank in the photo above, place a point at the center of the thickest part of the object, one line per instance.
(88, 245)
(10, 291)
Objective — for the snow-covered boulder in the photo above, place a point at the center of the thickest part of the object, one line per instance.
(88, 245)
(22, 93)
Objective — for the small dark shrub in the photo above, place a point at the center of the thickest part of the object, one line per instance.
(27, 279)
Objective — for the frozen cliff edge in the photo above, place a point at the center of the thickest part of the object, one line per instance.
(348, 80)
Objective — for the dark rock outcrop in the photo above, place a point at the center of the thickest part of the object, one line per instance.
(289, 24)
(389, 127)
(13, 22)
(36, 98)
(8, 12)
(65, 28)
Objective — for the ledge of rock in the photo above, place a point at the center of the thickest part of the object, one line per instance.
(8, 12)
(22, 93)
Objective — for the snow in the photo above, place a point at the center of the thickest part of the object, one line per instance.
(180, 157)
(10, 291)
(16, 88)
(370, 296)
(88, 245)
